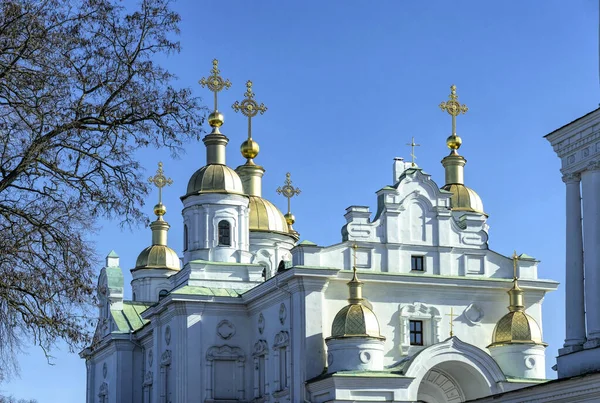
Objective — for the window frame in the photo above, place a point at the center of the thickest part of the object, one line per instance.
(224, 233)
(416, 261)
(413, 331)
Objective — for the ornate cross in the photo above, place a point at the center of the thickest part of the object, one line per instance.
(452, 315)
(249, 107)
(412, 144)
(215, 82)
(453, 107)
(515, 259)
(288, 190)
(160, 181)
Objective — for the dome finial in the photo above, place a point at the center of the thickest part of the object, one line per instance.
(355, 285)
(215, 83)
(160, 181)
(249, 108)
(412, 145)
(454, 108)
(288, 191)
(515, 293)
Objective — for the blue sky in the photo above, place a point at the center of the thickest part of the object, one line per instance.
(347, 85)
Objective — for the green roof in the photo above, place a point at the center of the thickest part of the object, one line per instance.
(307, 243)
(208, 291)
(130, 318)
(112, 254)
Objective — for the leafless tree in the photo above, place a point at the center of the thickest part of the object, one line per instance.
(80, 92)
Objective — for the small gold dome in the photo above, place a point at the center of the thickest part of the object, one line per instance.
(464, 198)
(249, 149)
(516, 327)
(216, 119)
(290, 218)
(158, 257)
(453, 142)
(264, 216)
(160, 209)
(355, 320)
(215, 178)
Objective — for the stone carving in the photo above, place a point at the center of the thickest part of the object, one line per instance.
(260, 348)
(586, 152)
(168, 335)
(225, 329)
(261, 323)
(103, 390)
(104, 370)
(281, 339)
(165, 358)
(149, 378)
(573, 177)
(282, 313)
(570, 159)
(473, 313)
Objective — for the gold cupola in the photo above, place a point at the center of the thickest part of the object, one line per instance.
(463, 198)
(158, 255)
(215, 176)
(516, 327)
(263, 215)
(355, 319)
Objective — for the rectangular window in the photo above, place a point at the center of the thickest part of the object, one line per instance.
(261, 376)
(416, 332)
(416, 263)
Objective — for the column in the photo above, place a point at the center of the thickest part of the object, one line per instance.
(574, 279)
(590, 181)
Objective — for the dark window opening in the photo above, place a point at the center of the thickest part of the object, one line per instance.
(162, 294)
(185, 237)
(417, 263)
(416, 332)
(224, 233)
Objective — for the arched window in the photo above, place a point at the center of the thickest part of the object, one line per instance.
(133, 297)
(185, 237)
(162, 294)
(224, 233)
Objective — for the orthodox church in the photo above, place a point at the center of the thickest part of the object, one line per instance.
(410, 305)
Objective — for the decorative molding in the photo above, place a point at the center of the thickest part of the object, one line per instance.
(165, 358)
(431, 318)
(260, 348)
(104, 370)
(225, 352)
(225, 329)
(473, 314)
(168, 335)
(282, 339)
(150, 357)
(103, 391)
(282, 313)
(571, 177)
(261, 323)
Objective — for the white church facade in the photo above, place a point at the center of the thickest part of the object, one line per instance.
(410, 305)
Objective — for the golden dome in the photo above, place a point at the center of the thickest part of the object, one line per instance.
(516, 327)
(464, 198)
(264, 216)
(158, 257)
(215, 178)
(249, 149)
(355, 320)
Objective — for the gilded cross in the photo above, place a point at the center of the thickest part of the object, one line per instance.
(160, 181)
(215, 82)
(452, 315)
(249, 107)
(412, 144)
(515, 259)
(288, 191)
(453, 107)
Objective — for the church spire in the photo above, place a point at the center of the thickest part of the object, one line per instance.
(160, 226)
(250, 173)
(215, 142)
(515, 293)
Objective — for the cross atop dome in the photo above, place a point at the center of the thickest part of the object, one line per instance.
(454, 108)
(215, 83)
